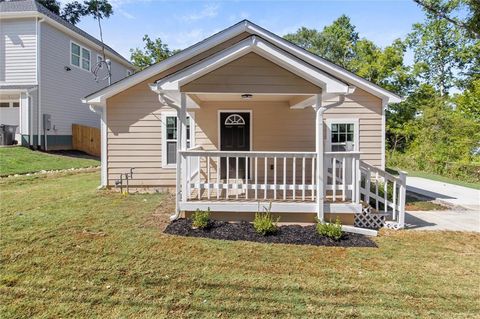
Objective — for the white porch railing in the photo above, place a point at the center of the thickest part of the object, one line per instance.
(275, 176)
(384, 192)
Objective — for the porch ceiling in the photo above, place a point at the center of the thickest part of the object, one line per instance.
(213, 97)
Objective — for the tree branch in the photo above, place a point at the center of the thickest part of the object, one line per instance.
(443, 15)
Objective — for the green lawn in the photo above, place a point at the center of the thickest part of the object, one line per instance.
(69, 250)
(21, 160)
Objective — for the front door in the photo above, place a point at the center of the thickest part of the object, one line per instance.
(234, 136)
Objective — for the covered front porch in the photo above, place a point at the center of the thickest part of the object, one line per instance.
(251, 135)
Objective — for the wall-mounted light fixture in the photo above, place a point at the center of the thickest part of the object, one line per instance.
(246, 96)
(67, 68)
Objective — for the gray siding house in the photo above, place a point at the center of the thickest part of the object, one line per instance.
(45, 68)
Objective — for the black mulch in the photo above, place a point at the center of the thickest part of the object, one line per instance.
(288, 234)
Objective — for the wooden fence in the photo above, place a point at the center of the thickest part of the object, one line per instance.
(86, 139)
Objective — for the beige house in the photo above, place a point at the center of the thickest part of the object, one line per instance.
(245, 119)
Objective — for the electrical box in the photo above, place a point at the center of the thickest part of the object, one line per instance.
(47, 122)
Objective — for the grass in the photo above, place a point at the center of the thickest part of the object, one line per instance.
(21, 160)
(417, 204)
(68, 250)
(435, 177)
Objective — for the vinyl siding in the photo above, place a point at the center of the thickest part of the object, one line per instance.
(253, 74)
(18, 44)
(367, 108)
(134, 119)
(61, 90)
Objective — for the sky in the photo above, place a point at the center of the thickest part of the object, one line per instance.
(183, 23)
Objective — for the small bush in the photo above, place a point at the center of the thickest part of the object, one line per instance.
(265, 224)
(330, 230)
(201, 219)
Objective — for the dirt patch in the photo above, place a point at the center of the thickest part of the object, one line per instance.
(287, 234)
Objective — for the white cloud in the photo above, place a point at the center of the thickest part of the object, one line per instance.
(208, 11)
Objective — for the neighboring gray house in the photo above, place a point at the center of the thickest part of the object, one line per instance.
(45, 68)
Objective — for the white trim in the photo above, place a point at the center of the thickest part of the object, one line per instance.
(277, 207)
(164, 116)
(81, 58)
(219, 131)
(384, 137)
(228, 34)
(102, 111)
(70, 32)
(283, 59)
(356, 130)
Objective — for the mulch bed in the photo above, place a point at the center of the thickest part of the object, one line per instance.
(288, 234)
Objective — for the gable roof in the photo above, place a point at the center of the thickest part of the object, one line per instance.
(323, 65)
(25, 7)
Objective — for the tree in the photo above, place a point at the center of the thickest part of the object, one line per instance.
(154, 51)
(468, 103)
(470, 22)
(341, 44)
(72, 12)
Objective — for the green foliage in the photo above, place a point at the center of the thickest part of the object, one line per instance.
(264, 223)
(73, 11)
(341, 44)
(154, 51)
(330, 230)
(468, 103)
(201, 219)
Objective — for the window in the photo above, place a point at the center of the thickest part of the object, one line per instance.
(79, 56)
(4, 104)
(75, 56)
(16, 104)
(170, 138)
(343, 135)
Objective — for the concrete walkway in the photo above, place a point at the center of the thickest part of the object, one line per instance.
(454, 220)
(449, 194)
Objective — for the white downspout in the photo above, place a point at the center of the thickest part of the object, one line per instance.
(30, 116)
(102, 111)
(319, 147)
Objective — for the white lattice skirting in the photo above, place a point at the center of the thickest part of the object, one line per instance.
(369, 220)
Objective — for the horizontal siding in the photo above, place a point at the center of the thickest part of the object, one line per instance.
(63, 91)
(251, 73)
(367, 109)
(18, 51)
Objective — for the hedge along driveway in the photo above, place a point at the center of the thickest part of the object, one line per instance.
(68, 250)
(21, 160)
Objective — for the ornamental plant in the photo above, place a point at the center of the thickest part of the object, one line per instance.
(330, 230)
(201, 219)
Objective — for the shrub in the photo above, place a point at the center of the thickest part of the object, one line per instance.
(201, 219)
(330, 230)
(264, 223)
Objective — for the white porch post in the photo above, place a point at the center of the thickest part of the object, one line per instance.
(181, 146)
(319, 147)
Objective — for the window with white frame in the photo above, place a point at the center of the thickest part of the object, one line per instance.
(170, 139)
(343, 136)
(79, 56)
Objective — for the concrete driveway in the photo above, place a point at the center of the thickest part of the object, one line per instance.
(454, 220)
(449, 194)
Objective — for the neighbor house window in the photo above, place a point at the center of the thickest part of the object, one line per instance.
(343, 136)
(170, 134)
(80, 56)
(4, 104)
(16, 104)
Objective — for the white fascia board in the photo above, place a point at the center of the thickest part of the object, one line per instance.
(262, 48)
(168, 63)
(176, 80)
(324, 64)
(293, 64)
(73, 34)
